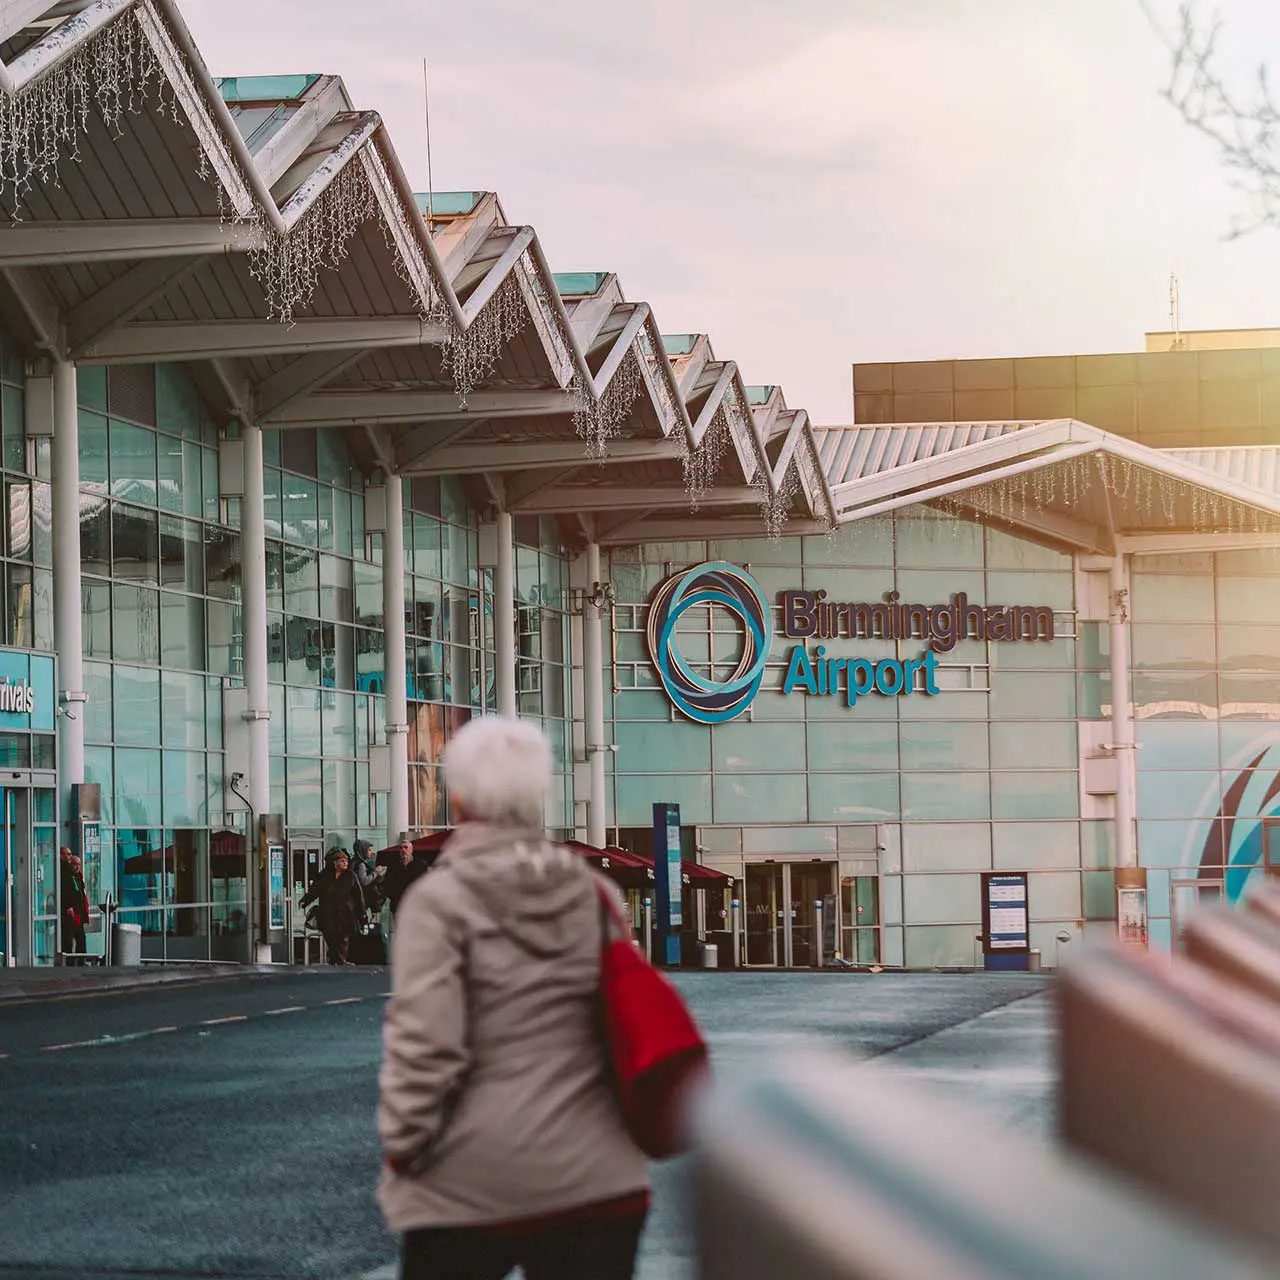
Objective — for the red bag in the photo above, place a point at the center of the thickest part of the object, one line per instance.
(656, 1049)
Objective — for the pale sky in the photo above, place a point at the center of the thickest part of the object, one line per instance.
(816, 182)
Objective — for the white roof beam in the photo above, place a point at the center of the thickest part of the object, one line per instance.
(413, 449)
(301, 377)
(608, 498)
(282, 149)
(16, 14)
(31, 244)
(1045, 526)
(28, 294)
(201, 340)
(521, 489)
(520, 456)
(344, 408)
(122, 299)
(694, 530)
(1157, 544)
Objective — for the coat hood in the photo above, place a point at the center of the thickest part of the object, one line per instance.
(532, 889)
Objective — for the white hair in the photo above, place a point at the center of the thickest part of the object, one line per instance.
(500, 769)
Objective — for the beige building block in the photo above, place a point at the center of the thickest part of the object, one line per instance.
(1167, 366)
(1044, 371)
(1106, 370)
(922, 375)
(1168, 406)
(1045, 402)
(1231, 404)
(983, 375)
(984, 406)
(872, 407)
(1113, 408)
(873, 377)
(1229, 364)
(923, 406)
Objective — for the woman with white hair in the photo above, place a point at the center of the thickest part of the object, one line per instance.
(504, 1144)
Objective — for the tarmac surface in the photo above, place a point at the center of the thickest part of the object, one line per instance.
(224, 1128)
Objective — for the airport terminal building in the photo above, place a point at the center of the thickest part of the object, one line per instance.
(303, 469)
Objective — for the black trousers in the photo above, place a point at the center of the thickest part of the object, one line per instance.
(602, 1250)
(73, 942)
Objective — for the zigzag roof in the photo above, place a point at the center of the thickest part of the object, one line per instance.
(262, 230)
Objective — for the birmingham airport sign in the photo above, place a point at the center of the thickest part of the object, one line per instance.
(810, 615)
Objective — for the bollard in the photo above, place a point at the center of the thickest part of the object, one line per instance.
(737, 934)
(817, 931)
(648, 929)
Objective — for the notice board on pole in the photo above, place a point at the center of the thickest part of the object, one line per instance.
(668, 879)
(1006, 927)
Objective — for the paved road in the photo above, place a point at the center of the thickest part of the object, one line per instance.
(225, 1128)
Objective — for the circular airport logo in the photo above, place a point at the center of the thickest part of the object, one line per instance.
(707, 700)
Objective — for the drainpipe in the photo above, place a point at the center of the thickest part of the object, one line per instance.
(593, 695)
(1131, 906)
(67, 607)
(254, 551)
(504, 617)
(396, 710)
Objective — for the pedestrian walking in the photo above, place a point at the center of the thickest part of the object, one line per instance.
(75, 905)
(339, 904)
(503, 1139)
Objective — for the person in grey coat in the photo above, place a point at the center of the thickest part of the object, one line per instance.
(502, 1139)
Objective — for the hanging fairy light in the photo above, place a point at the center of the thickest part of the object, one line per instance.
(113, 73)
(702, 465)
(470, 355)
(598, 420)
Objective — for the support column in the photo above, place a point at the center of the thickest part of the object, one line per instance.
(593, 696)
(67, 607)
(504, 617)
(1122, 713)
(1131, 879)
(254, 604)
(395, 661)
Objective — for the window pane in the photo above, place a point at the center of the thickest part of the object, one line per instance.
(1034, 795)
(298, 509)
(1042, 745)
(133, 463)
(226, 652)
(192, 503)
(222, 562)
(95, 604)
(169, 463)
(138, 795)
(182, 640)
(136, 613)
(95, 535)
(958, 797)
(135, 550)
(1173, 648)
(137, 706)
(301, 582)
(93, 451)
(939, 745)
(209, 477)
(183, 709)
(336, 591)
(185, 788)
(303, 793)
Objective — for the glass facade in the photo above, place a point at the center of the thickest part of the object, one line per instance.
(909, 799)
(929, 792)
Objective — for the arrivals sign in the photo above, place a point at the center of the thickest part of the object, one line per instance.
(712, 698)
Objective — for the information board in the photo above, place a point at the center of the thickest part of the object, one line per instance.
(668, 879)
(1005, 926)
(275, 886)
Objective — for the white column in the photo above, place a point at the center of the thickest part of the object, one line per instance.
(504, 617)
(67, 607)
(394, 661)
(593, 699)
(1122, 713)
(254, 607)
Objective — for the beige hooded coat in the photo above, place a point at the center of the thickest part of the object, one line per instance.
(493, 1082)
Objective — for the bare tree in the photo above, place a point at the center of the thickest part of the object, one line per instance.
(1241, 120)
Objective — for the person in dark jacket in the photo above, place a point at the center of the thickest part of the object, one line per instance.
(75, 905)
(402, 872)
(340, 904)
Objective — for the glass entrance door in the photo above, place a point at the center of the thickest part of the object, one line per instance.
(19, 899)
(787, 904)
(305, 863)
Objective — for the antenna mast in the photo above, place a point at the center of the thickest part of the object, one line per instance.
(426, 116)
(1175, 313)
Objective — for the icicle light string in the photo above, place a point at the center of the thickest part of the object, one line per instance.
(775, 507)
(598, 421)
(470, 355)
(702, 465)
(112, 74)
